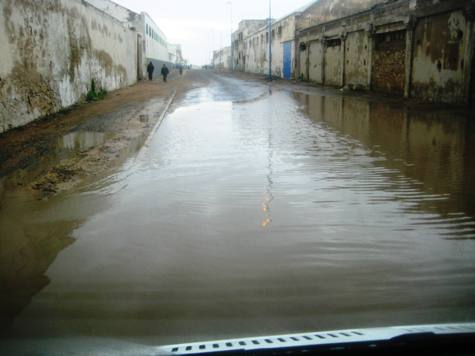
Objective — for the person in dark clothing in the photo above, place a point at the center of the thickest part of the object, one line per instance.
(150, 69)
(180, 68)
(165, 72)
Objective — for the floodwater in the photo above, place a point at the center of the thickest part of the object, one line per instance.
(253, 211)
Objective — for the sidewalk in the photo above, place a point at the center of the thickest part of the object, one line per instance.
(62, 151)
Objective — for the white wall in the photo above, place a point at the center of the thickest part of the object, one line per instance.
(222, 59)
(50, 54)
(115, 10)
(256, 51)
(156, 44)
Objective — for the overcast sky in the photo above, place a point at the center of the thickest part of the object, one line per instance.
(203, 25)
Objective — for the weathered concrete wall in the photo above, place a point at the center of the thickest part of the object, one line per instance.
(239, 41)
(250, 43)
(333, 63)
(115, 10)
(418, 48)
(222, 59)
(438, 62)
(327, 10)
(357, 59)
(389, 62)
(253, 50)
(315, 63)
(52, 52)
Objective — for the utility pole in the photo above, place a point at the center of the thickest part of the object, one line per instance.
(270, 40)
(230, 3)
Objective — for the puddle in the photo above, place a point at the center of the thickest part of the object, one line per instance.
(80, 141)
(243, 217)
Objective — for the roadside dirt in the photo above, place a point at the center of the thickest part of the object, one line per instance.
(87, 141)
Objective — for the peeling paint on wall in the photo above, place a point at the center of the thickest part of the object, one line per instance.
(50, 54)
(327, 10)
(420, 49)
(253, 49)
(438, 58)
(357, 59)
(315, 62)
(333, 62)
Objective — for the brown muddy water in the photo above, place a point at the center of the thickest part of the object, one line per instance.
(253, 212)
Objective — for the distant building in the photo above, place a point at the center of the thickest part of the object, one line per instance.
(174, 54)
(246, 27)
(222, 59)
(154, 43)
(250, 43)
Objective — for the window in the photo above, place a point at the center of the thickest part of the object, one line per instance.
(334, 42)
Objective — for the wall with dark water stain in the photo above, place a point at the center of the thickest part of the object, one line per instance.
(438, 63)
(333, 65)
(51, 53)
(315, 54)
(357, 59)
(327, 10)
(420, 49)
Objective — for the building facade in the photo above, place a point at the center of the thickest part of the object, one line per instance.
(251, 40)
(222, 59)
(239, 39)
(153, 43)
(253, 50)
(411, 48)
(174, 54)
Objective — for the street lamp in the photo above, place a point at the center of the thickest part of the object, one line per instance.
(270, 40)
(230, 3)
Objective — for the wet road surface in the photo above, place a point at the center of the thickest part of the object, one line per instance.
(253, 211)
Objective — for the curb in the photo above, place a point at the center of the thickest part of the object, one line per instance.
(157, 125)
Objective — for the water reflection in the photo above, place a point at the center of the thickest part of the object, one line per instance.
(29, 244)
(268, 196)
(81, 140)
(33, 232)
(432, 149)
(258, 217)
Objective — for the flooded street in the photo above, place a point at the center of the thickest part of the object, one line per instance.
(252, 210)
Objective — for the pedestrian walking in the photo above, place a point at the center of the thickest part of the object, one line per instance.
(150, 69)
(180, 68)
(165, 72)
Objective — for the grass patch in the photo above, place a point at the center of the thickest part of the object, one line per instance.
(94, 94)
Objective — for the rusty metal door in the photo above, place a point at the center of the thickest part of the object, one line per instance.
(389, 59)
